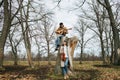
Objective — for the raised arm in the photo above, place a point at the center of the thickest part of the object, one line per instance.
(69, 29)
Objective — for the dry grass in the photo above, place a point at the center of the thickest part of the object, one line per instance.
(88, 70)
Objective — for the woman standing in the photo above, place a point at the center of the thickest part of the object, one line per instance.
(64, 60)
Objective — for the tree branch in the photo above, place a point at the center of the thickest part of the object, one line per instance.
(101, 3)
(17, 10)
(1, 3)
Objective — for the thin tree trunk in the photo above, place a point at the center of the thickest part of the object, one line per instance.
(25, 35)
(107, 45)
(15, 59)
(81, 55)
(49, 60)
(112, 51)
(102, 48)
(100, 25)
(14, 51)
(28, 47)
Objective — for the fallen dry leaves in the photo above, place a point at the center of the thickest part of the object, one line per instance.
(89, 70)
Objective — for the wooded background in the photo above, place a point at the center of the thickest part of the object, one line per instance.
(25, 24)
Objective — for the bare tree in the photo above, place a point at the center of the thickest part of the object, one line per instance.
(8, 18)
(100, 25)
(25, 32)
(28, 30)
(106, 4)
(39, 52)
(107, 39)
(14, 44)
(47, 32)
(82, 29)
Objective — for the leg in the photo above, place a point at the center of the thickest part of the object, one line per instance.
(58, 41)
(69, 72)
(66, 62)
(66, 65)
(64, 73)
(66, 68)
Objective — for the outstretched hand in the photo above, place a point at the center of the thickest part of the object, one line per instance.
(69, 28)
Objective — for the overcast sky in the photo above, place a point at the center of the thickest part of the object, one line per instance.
(62, 14)
(69, 18)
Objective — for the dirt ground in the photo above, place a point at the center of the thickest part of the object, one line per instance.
(24, 73)
(85, 71)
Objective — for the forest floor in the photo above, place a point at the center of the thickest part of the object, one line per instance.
(88, 70)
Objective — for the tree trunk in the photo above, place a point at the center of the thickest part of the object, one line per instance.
(112, 57)
(100, 26)
(28, 46)
(14, 48)
(102, 48)
(15, 59)
(57, 65)
(58, 62)
(25, 34)
(14, 51)
(49, 60)
(112, 52)
(107, 45)
(82, 42)
(81, 54)
(115, 32)
(5, 31)
(6, 27)
(29, 57)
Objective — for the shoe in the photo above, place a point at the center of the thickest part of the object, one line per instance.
(56, 49)
(58, 46)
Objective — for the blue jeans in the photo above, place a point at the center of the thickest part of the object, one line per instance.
(58, 41)
(65, 68)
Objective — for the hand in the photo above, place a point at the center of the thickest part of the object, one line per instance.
(58, 32)
(69, 28)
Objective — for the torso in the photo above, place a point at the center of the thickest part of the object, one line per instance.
(62, 31)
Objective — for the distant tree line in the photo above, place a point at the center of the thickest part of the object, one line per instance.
(86, 57)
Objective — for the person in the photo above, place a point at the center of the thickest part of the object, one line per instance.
(64, 60)
(61, 32)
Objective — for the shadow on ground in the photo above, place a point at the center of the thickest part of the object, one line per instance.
(103, 66)
(86, 74)
(41, 73)
(24, 72)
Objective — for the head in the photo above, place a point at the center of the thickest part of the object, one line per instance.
(61, 25)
